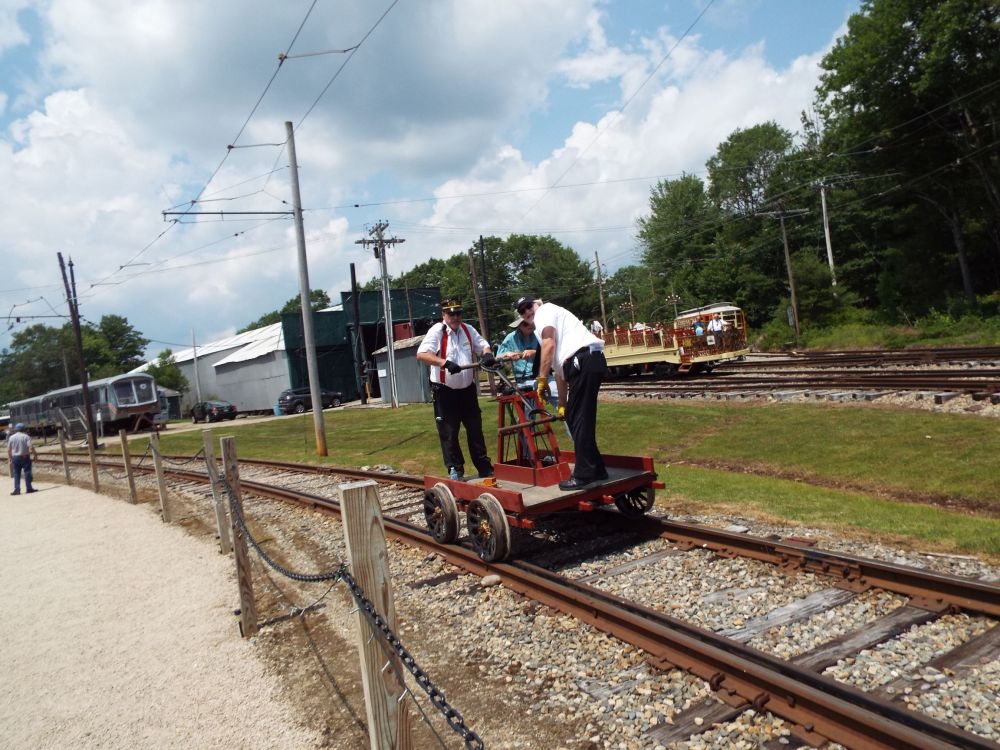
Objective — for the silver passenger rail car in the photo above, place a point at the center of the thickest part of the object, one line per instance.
(119, 402)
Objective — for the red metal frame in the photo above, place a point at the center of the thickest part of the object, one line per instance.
(529, 454)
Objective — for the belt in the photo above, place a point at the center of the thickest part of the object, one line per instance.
(590, 348)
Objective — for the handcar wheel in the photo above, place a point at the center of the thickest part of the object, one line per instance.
(488, 528)
(300, 407)
(335, 403)
(635, 503)
(441, 513)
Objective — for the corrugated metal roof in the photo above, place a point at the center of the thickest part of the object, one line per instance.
(272, 341)
(247, 345)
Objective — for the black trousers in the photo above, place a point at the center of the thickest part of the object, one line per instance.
(584, 373)
(454, 408)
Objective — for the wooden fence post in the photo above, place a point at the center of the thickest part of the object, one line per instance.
(65, 458)
(161, 482)
(388, 715)
(123, 436)
(248, 607)
(221, 519)
(93, 463)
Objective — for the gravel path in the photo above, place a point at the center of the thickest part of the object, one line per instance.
(118, 632)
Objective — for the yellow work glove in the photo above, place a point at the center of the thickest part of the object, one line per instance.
(561, 412)
(542, 387)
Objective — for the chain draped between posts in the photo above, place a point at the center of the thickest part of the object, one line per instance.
(185, 461)
(378, 623)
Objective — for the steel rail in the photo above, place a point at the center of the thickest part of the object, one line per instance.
(927, 589)
(820, 708)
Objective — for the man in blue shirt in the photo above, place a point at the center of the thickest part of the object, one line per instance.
(521, 347)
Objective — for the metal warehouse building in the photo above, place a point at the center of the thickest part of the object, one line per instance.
(252, 368)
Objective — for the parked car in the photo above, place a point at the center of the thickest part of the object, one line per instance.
(297, 400)
(212, 411)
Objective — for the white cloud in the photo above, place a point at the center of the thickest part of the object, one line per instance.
(133, 105)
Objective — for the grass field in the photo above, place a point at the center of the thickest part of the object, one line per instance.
(925, 478)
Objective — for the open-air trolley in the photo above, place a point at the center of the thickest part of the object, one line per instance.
(526, 479)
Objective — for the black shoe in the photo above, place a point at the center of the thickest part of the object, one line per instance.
(484, 474)
(16, 492)
(32, 490)
(573, 484)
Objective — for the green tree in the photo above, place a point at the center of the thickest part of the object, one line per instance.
(167, 374)
(126, 345)
(318, 300)
(40, 359)
(910, 93)
(521, 264)
(741, 171)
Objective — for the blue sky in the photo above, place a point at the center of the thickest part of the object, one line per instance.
(455, 117)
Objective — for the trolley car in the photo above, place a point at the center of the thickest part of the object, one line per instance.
(680, 348)
(526, 479)
(123, 401)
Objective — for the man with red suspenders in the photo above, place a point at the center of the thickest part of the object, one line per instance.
(447, 347)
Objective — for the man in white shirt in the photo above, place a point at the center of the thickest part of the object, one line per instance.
(715, 328)
(577, 356)
(448, 347)
(20, 452)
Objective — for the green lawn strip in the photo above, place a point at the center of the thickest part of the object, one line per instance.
(832, 509)
(916, 451)
(826, 444)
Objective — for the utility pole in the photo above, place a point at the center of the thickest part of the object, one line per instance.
(307, 321)
(631, 306)
(197, 380)
(600, 289)
(380, 243)
(826, 231)
(791, 277)
(673, 299)
(360, 358)
(483, 328)
(74, 314)
(788, 260)
(484, 320)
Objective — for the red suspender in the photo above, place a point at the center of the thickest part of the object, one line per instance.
(444, 346)
(444, 349)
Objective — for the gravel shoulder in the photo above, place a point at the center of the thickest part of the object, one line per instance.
(118, 632)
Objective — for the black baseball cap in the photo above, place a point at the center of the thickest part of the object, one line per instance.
(525, 302)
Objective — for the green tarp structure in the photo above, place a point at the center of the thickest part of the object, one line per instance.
(332, 331)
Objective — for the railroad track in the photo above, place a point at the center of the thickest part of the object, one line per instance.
(626, 582)
(975, 356)
(939, 384)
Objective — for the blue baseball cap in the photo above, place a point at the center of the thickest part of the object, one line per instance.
(19, 426)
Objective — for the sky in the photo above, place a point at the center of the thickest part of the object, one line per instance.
(446, 119)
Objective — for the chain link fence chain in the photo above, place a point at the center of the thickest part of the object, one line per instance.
(109, 473)
(378, 623)
(185, 461)
(149, 452)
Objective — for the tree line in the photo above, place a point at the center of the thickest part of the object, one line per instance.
(901, 141)
(902, 144)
